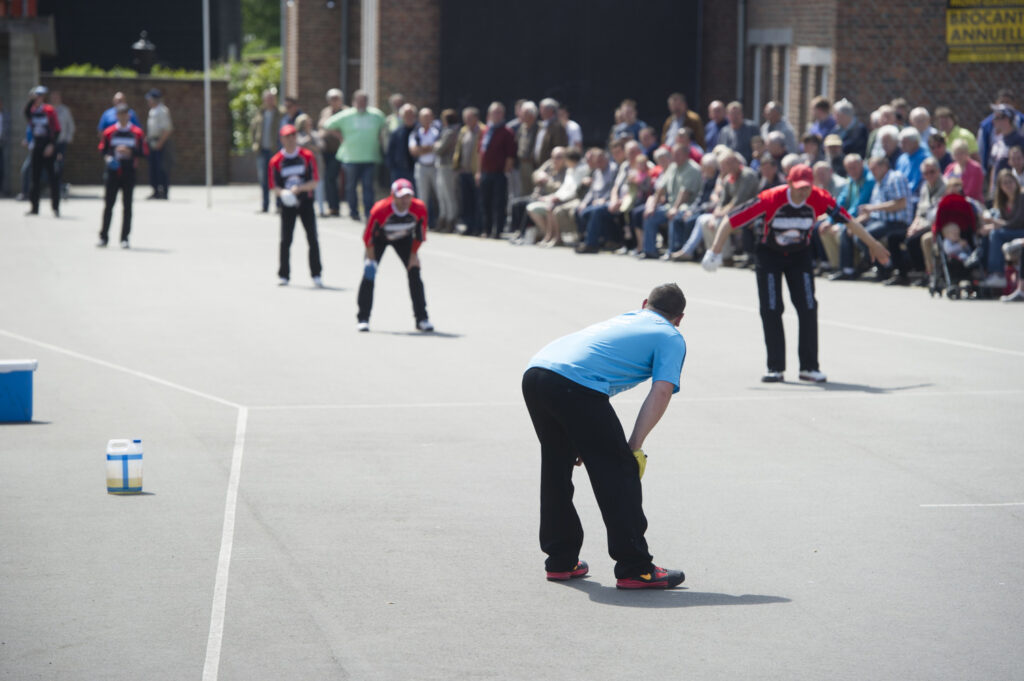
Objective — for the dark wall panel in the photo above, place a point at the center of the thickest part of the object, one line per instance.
(589, 55)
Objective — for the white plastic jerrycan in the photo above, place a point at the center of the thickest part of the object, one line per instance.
(124, 466)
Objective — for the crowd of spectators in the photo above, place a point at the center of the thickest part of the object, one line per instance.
(660, 191)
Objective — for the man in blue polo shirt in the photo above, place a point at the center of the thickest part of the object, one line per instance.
(567, 388)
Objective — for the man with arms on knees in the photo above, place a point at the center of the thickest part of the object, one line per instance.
(567, 389)
(401, 222)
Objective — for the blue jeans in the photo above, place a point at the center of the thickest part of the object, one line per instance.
(996, 238)
(261, 173)
(363, 174)
(881, 231)
(678, 229)
(597, 224)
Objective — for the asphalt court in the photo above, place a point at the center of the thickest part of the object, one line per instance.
(380, 489)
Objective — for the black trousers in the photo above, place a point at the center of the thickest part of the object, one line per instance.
(39, 164)
(798, 270)
(403, 247)
(494, 201)
(305, 212)
(572, 421)
(122, 180)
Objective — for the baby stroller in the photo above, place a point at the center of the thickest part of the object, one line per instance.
(951, 274)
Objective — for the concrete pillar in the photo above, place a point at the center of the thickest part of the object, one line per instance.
(22, 76)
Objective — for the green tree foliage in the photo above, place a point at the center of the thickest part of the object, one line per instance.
(246, 83)
(261, 22)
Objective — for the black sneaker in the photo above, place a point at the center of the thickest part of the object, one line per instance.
(659, 578)
(580, 570)
(896, 280)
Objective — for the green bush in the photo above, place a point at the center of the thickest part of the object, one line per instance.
(246, 82)
(85, 70)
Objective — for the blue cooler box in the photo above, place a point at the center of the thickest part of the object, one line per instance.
(16, 389)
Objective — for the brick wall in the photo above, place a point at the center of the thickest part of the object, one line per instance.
(409, 58)
(898, 48)
(88, 98)
(316, 70)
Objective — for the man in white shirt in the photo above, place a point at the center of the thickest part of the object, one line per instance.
(572, 128)
(158, 130)
(421, 146)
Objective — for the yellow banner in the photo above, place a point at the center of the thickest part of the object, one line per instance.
(985, 30)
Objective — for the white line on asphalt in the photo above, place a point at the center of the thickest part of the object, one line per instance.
(118, 367)
(996, 505)
(812, 392)
(227, 538)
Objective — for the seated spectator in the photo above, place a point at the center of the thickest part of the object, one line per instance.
(739, 185)
(397, 157)
(630, 126)
(921, 121)
(860, 183)
(889, 138)
(851, 131)
(685, 136)
(787, 163)
(736, 135)
(967, 170)
(604, 223)
(886, 117)
(826, 179)
(946, 123)
(932, 189)
(681, 229)
(602, 180)
(954, 208)
(1016, 159)
(834, 154)
(542, 211)
(546, 180)
(769, 175)
(937, 147)
(811, 143)
(1005, 225)
(717, 120)
(679, 117)
(822, 122)
(565, 211)
(648, 139)
(678, 186)
(1012, 253)
(758, 149)
(639, 186)
(572, 128)
(909, 162)
(887, 217)
(775, 144)
(662, 160)
(774, 122)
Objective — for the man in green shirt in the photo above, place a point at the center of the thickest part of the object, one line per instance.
(359, 129)
(676, 188)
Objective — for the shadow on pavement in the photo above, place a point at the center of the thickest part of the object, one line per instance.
(162, 251)
(671, 598)
(24, 423)
(871, 389)
(425, 334)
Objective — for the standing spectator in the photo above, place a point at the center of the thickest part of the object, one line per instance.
(937, 147)
(572, 128)
(122, 144)
(629, 127)
(852, 132)
(109, 117)
(888, 215)
(360, 128)
(291, 111)
(331, 142)
(158, 132)
(717, 121)
(401, 165)
(444, 149)
(834, 154)
(822, 122)
(467, 164)
(394, 119)
(967, 170)
(921, 121)
(265, 140)
(680, 116)
(421, 147)
(550, 133)
(774, 122)
(293, 179)
(901, 110)
(497, 159)
(946, 122)
(909, 162)
(64, 139)
(987, 133)
(648, 139)
(312, 141)
(45, 128)
(737, 134)
(526, 137)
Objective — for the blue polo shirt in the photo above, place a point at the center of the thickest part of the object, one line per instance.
(617, 354)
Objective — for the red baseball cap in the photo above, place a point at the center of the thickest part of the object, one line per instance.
(800, 175)
(287, 129)
(402, 187)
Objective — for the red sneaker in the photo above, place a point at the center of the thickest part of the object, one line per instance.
(581, 569)
(659, 578)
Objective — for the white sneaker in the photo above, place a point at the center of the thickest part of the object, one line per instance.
(994, 281)
(283, 281)
(1016, 296)
(424, 325)
(124, 244)
(363, 326)
(318, 282)
(772, 377)
(814, 376)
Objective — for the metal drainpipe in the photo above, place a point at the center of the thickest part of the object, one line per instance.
(741, 44)
(344, 46)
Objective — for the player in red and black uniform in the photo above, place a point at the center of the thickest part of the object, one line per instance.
(292, 176)
(399, 221)
(45, 129)
(121, 144)
(790, 214)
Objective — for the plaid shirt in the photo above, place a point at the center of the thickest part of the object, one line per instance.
(891, 187)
